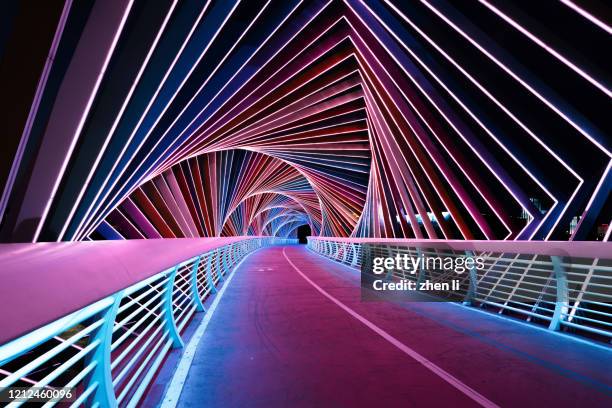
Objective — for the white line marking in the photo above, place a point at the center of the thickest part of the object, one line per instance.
(173, 393)
(449, 378)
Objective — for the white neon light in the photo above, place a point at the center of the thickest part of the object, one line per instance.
(474, 117)
(549, 49)
(152, 100)
(168, 105)
(81, 123)
(116, 123)
(587, 15)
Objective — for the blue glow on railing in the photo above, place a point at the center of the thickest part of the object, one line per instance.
(562, 309)
(117, 344)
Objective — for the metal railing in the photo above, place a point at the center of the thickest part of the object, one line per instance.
(109, 351)
(561, 285)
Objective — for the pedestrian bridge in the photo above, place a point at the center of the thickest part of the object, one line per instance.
(265, 322)
(158, 160)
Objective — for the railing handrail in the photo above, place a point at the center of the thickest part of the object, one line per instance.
(568, 287)
(108, 352)
(575, 249)
(44, 282)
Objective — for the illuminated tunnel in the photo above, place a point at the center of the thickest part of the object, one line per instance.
(153, 151)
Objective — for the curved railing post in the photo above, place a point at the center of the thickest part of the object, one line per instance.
(227, 260)
(104, 395)
(421, 273)
(220, 263)
(169, 321)
(237, 253)
(389, 274)
(229, 257)
(561, 304)
(195, 295)
(234, 253)
(355, 256)
(208, 272)
(473, 280)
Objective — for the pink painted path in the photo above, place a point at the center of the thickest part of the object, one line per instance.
(282, 337)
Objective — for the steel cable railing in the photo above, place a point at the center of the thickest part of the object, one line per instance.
(109, 351)
(562, 285)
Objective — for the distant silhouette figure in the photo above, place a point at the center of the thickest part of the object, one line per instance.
(303, 231)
